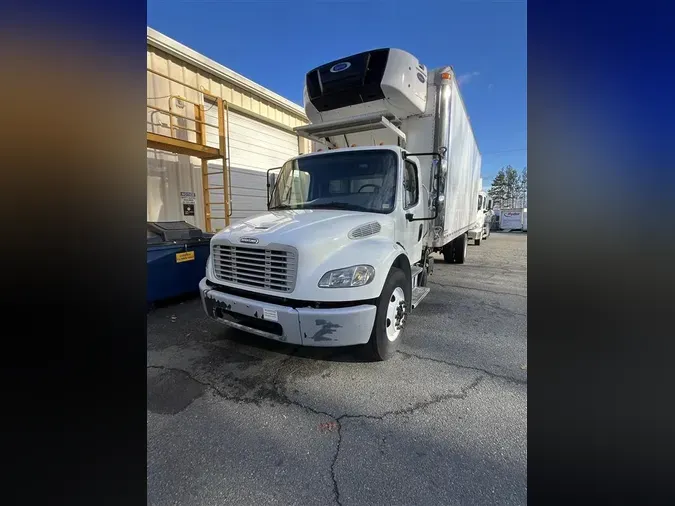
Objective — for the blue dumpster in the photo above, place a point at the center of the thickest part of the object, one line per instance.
(177, 254)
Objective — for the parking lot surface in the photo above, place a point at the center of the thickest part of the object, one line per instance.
(237, 419)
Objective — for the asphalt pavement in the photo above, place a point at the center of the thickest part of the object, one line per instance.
(237, 419)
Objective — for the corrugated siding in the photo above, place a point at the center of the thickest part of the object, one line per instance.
(255, 146)
(177, 69)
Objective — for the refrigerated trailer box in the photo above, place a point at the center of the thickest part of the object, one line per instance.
(344, 252)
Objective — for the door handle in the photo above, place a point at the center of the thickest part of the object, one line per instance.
(419, 235)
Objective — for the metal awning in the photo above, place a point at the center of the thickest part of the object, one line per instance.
(365, 123)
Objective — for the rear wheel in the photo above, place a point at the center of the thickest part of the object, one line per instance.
(449, 253)
(393, 307)
(460, 244)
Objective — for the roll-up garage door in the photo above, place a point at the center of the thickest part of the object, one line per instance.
(254, 148)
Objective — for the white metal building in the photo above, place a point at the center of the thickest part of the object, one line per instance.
(258, 127)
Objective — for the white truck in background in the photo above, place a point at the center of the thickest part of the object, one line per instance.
(342, 256)
(483, 216)
(489, 214)
(512, 219)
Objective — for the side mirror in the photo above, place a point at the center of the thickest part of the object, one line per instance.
(271, 181)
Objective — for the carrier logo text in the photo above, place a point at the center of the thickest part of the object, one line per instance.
(339, 67)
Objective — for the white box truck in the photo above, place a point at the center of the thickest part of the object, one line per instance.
(342, 256)
(489, 215)
(483, 217)
(511, 219)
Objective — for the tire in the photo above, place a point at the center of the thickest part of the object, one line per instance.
(449, 253)
(459, 248)
(385, 338)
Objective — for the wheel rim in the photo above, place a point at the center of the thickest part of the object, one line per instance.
(396, 314)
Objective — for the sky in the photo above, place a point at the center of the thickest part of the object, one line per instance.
(275, 43)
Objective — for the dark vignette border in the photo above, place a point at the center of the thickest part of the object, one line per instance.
(74, 185)
(600, 252)
(600, 239)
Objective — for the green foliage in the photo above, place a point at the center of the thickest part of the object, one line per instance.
(508, 186)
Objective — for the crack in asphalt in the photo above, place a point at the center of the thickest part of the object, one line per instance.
(336, 488)
(477, 289)
(409, 410)
(283, 399)
(193, 378)
(463, 392)
(504, 377)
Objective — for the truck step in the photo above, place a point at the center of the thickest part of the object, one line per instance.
(419, 292)
(415, 271)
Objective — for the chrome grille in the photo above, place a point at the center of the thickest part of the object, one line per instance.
(273, 269)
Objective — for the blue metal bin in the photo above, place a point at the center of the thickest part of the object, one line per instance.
(177, 254)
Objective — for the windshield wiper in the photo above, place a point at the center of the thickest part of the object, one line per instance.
(280, 207)
(338, 205)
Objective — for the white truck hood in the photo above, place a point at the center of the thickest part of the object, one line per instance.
(321, 239)
(302, 227)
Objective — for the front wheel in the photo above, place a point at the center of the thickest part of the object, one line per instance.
(393, 308)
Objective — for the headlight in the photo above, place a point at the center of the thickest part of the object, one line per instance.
(208, 266)
(357, 275)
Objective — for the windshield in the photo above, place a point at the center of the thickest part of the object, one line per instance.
(357, 180)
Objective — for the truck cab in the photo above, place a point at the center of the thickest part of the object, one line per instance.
(482, 229)
(339, 228)
(379, 184)
(489, 216)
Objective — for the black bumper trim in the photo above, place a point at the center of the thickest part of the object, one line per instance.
(284, 301)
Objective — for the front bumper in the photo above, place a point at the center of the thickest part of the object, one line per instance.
(476, 233)
(302, 326)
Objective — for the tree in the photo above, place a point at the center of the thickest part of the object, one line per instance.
(523, 187)
(498, 188)
(506, 187)
(512, 185)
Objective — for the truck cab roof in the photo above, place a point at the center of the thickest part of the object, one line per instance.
(396, 149)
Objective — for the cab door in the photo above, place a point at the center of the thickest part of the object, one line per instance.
(411, 202)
